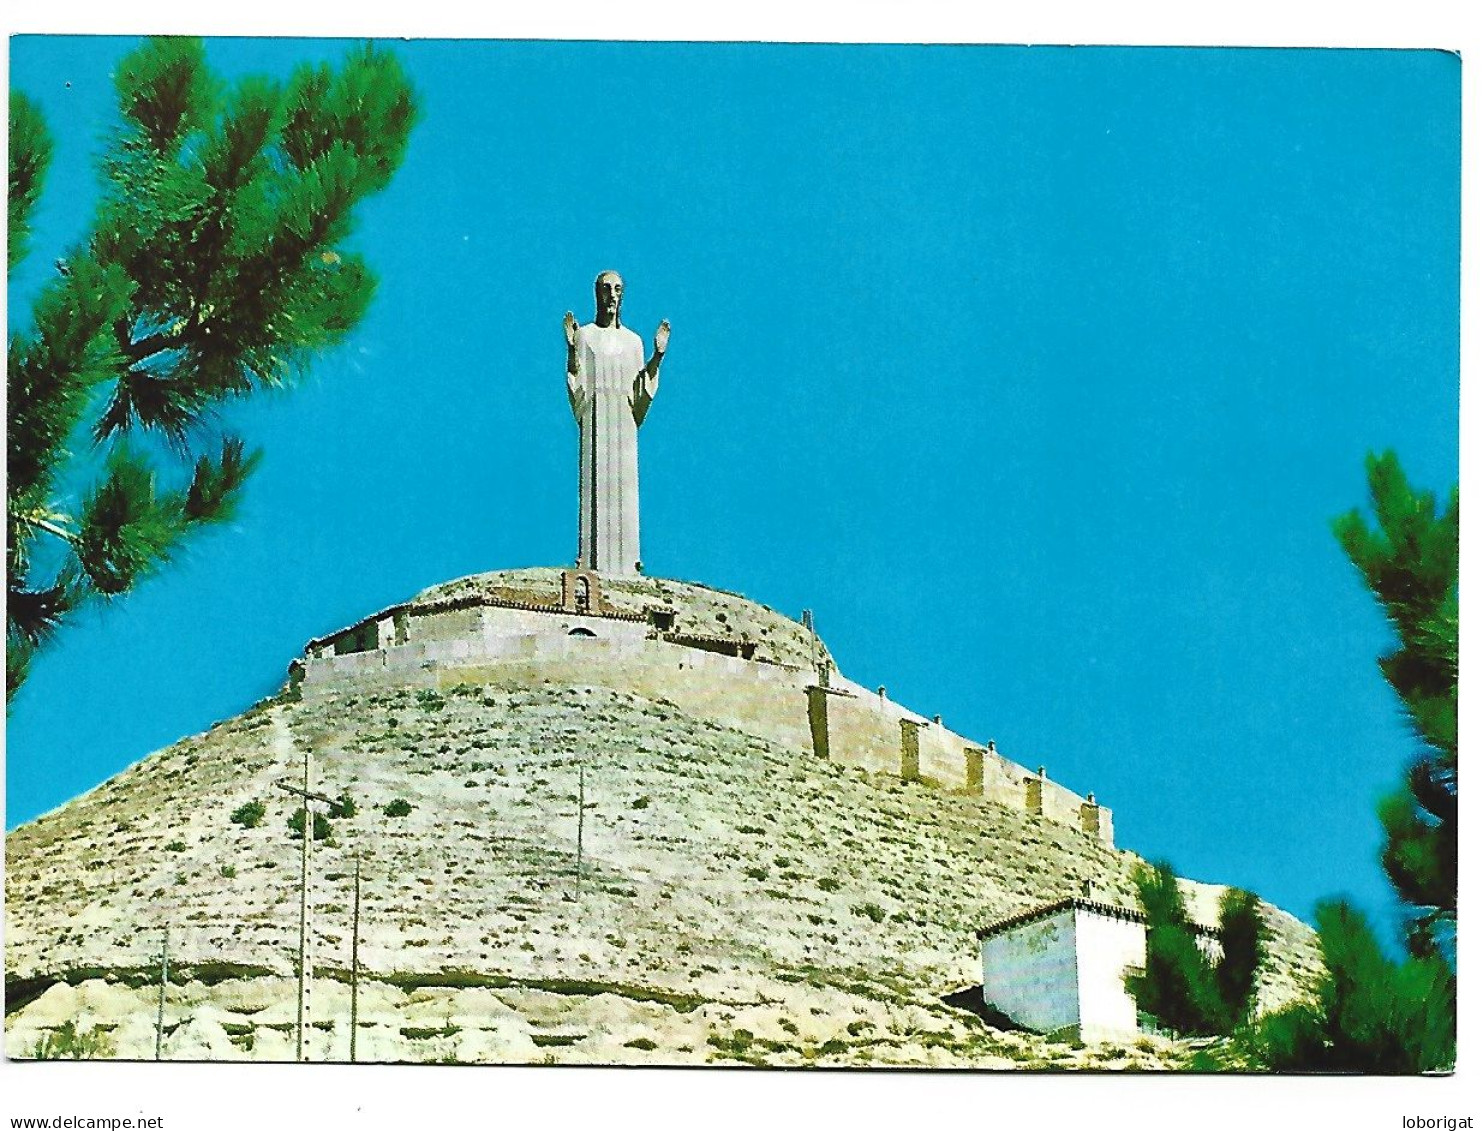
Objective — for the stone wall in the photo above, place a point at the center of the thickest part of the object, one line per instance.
(460, 640)
(695, 610)
(763, 699)
(866, 728)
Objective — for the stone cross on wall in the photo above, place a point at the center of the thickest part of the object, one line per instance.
(610, 387)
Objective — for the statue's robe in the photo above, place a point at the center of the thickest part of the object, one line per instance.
(610, 394)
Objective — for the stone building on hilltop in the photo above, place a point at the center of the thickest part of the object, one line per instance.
(715, 654)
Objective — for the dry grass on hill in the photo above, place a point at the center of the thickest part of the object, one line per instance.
(738, 901)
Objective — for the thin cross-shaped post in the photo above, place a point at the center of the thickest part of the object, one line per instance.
(355, 962)
(159, 1023)
(305, 796)
(581, 816)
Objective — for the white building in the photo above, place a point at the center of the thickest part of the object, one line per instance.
(1060, 969)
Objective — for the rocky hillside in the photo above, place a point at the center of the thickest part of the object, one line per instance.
(737, 902)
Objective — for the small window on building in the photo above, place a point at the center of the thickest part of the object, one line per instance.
(583, 632)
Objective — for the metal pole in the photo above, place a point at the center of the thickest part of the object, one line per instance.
(355, 962)
(308, 835)
(159, 1022)
(581, 816)
(306, 964)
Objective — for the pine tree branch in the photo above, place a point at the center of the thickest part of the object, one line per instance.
(216, 486)
(34, 615)
(30, 156)
(43, 524)
(209, 271)
(141, 349)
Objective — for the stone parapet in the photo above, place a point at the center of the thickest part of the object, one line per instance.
(476, 630)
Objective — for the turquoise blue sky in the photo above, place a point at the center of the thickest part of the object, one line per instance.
(1037, 373)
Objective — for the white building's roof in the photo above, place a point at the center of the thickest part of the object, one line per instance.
(1074, 903)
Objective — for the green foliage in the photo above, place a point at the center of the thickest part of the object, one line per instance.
(736, 1044)
(30, 155)
(215, 267)
(1179, 986)
(175, 846)
(872, 911)
(398, 808)
(413, 1033)
(67, 1042)
(1177, 983)
(1242, 944)
(344, 807)
(250, 815)
(1409, 560)
(1372, 1015)
(322, 828)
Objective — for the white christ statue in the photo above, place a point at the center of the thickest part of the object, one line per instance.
(610, 386)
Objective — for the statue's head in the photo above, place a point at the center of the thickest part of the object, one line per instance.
(609, 293)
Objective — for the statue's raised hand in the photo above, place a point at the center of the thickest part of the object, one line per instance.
(661, 337)
(570, 323)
